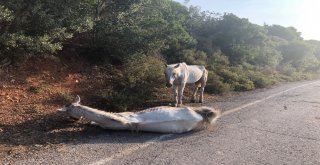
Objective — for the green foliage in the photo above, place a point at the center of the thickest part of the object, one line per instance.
(193, 57)
(141, 78)
(236, 78)
(289, 33)
(37, 89)
(65, 97)
(238, 38)
(261, 80)
(243, 84)
(216, 85)
(298, 54)
(267, 57)
(34, 89)
(147, 25)
(32, 27)
(5, 15)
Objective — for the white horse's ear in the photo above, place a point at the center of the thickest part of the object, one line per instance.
(78, 99)
(177, 66)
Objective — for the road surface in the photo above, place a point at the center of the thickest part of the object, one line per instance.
(280, 125)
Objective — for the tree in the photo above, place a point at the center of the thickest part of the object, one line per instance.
(298, 54)
(238, 38)
(40, 27)
(141, 27)
(287, 33)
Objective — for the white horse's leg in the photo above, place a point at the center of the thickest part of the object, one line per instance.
(201, 94)
(180, 94)
(203, 84)
(175, 95)
(195, 89)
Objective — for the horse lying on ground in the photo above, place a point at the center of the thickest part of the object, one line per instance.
(162, 119)
(178, 75)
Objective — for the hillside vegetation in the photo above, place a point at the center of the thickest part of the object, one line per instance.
(139, 36)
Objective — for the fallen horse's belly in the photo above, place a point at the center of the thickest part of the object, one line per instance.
(166, 120)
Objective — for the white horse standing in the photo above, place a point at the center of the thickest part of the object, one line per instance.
(158, 119)
(178, 75)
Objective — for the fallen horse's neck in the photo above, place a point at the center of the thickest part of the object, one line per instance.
(98, 116)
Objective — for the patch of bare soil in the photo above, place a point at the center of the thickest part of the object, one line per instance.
(31, 94)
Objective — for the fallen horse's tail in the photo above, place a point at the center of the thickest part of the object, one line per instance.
(209, 115)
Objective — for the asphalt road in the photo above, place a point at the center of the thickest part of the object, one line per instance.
(280, 125)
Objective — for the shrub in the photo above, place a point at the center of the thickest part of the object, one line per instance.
(34, 89)
(65, 97)
(193, 57)
(215, 85)
(141, 78)
(243, 84)
(261, 80)
(38, 89)
(228, 76)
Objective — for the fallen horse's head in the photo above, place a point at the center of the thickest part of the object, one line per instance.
(71, 108)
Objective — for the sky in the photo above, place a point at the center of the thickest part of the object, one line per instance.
(301, 14)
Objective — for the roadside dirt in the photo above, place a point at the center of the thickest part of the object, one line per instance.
(31, 94)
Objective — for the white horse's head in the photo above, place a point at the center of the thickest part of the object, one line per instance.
(172, 73)
(70, 108)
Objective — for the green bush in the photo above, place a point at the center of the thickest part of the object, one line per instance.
(38, 89)
(236, 77)
(243, 84)
(193, 57)
(40, 27)
(261, 80)
(141, 78)
(65, 97)
(215, 85)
